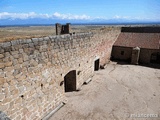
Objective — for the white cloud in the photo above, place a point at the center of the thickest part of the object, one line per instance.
(140, 18)
(121, 17)
(71, 16)
(6, 15)
(56, 15)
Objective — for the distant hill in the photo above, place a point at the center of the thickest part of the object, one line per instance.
(40, 21)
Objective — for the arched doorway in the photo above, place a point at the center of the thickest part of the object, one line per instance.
(96, 65)
(155, 58)
(70, 81)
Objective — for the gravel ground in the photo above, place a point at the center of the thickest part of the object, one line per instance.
(118, 92)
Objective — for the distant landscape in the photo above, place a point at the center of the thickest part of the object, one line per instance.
(26, 31)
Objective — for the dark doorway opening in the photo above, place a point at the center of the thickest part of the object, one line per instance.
(96, 65)
(70, 81)
(155, 58)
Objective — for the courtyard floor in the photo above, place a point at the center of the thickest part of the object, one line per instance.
(118, 92)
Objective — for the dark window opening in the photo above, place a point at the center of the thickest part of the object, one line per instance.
(70, 81)
(122, 52)
(96, 65)
(155, 58)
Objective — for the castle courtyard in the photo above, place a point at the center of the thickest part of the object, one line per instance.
(118, 92)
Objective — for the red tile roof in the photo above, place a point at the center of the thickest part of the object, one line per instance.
(142, 40)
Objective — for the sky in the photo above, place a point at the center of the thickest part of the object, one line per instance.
(12, 11)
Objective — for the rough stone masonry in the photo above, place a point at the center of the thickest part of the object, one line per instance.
(32, 70)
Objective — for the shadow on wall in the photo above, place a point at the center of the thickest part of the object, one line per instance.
(3, 116)
(151, 65)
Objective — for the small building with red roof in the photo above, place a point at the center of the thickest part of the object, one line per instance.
(137, 47)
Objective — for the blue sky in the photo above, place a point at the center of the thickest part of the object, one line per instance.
(80, 10)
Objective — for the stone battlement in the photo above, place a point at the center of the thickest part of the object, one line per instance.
(35, 73)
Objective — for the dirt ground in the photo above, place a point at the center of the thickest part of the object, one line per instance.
(15, 33)
(117, 92)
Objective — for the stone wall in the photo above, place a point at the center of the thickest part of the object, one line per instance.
(32, 70)
(145, 55)
(121, 53)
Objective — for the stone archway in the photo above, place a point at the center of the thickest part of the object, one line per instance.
(70, 81)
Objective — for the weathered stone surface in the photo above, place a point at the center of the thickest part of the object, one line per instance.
(20, 60)
(25, 57)
(25, 64)
(6, 44)
(2, 80)
(1, 50)
(4, 107)
(2, 96)
(31, 70)
(14, 42)
(9, 69)
(14, 52)
(15, 91)
(3, 116)
(1, 56)
(2, 65)
(7, 64)
(15, 62)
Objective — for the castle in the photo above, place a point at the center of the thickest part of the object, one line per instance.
(36, 73)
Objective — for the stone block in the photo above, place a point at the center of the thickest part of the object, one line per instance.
(28, 41)
(14, 42)
(2, 65)
(40, 39)
(7, 64)
(9, 69)
(9, 78)
(25, 64)
(2, 96)
(46, 38)
(7, 54)
(5, 85)
(25, 57)
(20, 60)
(14, 52)
(14, 92)
(7, 44)
(1, 56)
(1, 50)
(7, 100)
(7, 49)
(16, 56)
(31, 44)
(34, 39)
(7, 92)
(21, 51)
(21, 78)
(33, 63)
(22, 89)
(16, 72)
(24, 46)
(15, 62)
